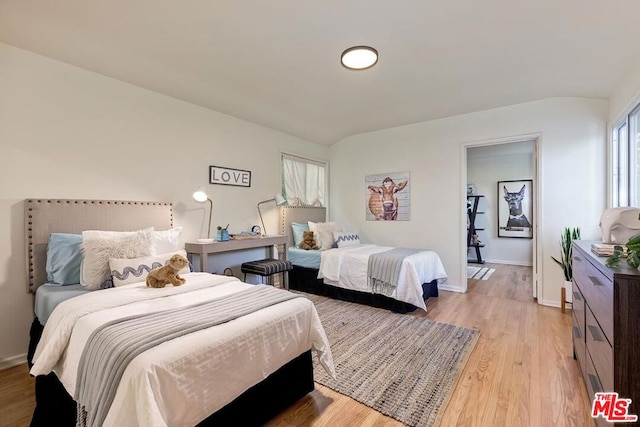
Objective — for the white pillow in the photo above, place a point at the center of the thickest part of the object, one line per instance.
(344, 239)
(104, 234)
(165, 241)
(94, 270)
(125, 271)
(323, 233)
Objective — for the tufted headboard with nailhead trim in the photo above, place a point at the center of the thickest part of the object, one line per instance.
(46, 216)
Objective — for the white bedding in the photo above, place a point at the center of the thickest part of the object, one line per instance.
(181, 382)
(347, 268)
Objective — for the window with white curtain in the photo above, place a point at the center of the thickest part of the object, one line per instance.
(626, 160)
(303, 181)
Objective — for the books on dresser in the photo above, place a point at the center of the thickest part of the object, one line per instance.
(604, 249)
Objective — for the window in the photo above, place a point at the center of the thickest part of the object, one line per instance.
(303, 181)
(626, 160)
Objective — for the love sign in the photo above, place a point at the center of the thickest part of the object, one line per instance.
(229, 176)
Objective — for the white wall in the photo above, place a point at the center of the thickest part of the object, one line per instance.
(69, 133)
(626, 95)
(485, 167)
(572, 181)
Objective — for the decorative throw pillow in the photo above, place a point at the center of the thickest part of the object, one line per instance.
(125, 271)
(298, 231)
(344, 239)
(324, 233)
(64, 255)
(165, 241)
(94, 270)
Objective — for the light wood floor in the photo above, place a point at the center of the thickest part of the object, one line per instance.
(521, 372)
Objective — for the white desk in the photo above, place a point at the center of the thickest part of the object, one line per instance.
(203, 250)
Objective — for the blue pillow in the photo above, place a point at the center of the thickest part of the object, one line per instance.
(64, 255)
(298, 230)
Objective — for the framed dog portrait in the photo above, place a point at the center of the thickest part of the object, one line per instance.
(515, 209)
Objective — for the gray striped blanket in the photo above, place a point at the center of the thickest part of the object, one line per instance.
(383, 270)
(112, 346)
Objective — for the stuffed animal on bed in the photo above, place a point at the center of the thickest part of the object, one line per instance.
(160, 277)
(308, 241)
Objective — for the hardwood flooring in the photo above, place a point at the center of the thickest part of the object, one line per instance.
(521, 372)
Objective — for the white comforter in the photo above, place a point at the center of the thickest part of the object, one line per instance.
(181, 382)
(347, 268)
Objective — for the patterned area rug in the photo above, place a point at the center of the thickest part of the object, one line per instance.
(479, 273)
(403, 366)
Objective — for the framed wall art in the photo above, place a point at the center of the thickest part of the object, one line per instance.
(515, 208)
(387, 196)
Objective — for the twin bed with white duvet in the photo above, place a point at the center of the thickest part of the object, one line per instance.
(399, 279)
(212, 351)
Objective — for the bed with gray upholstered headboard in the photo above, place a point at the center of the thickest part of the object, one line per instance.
(253, 403)
(307, 263)
(46, 216)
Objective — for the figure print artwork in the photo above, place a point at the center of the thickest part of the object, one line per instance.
(387, 196)
(515, 209)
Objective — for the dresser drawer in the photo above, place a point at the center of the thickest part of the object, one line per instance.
(597, 291)
(600, 351)
(578, 327)
(579, 348)
(593, 386)
(578, 308)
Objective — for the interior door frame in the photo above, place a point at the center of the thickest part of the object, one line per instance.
(537, 204)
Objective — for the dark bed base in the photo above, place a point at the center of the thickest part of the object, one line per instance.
(254, 407)
(306, 280)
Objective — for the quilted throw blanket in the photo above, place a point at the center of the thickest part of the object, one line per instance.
(383, 269)
(113, 345)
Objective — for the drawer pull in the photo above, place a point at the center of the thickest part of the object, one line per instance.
(576, 332)
(595, 333)
(577, 258)
(576, 295)
(595, 383)
(595, 281)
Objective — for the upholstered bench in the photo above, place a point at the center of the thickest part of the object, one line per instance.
(267, 268)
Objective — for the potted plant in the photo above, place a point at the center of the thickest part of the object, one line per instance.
(631, 250)
(568, 235)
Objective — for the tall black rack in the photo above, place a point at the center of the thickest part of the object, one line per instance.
(472, 211)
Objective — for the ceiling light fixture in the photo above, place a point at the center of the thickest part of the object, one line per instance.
(359, 57)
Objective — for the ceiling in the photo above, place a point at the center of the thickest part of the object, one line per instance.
(276, 63)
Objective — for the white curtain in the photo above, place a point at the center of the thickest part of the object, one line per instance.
(303, 181)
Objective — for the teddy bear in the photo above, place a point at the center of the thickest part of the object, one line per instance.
(161, 276)
(307, 241)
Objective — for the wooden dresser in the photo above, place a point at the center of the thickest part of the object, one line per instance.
(606, 325)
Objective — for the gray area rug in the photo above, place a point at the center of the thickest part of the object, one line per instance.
(403, 366)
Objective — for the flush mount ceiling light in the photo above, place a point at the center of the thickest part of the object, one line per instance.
(359, 57)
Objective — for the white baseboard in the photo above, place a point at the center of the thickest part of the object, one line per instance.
(499, 261)
(548, 303)
(10, 362)
(451, 288)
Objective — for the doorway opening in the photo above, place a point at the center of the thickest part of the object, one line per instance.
(502, 206)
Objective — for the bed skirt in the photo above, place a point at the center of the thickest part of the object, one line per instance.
(306, 280)
(260, 403)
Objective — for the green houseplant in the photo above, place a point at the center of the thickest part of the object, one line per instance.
(632, 252)
(567, 236)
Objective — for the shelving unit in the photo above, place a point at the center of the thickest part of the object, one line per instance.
(472, 211)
